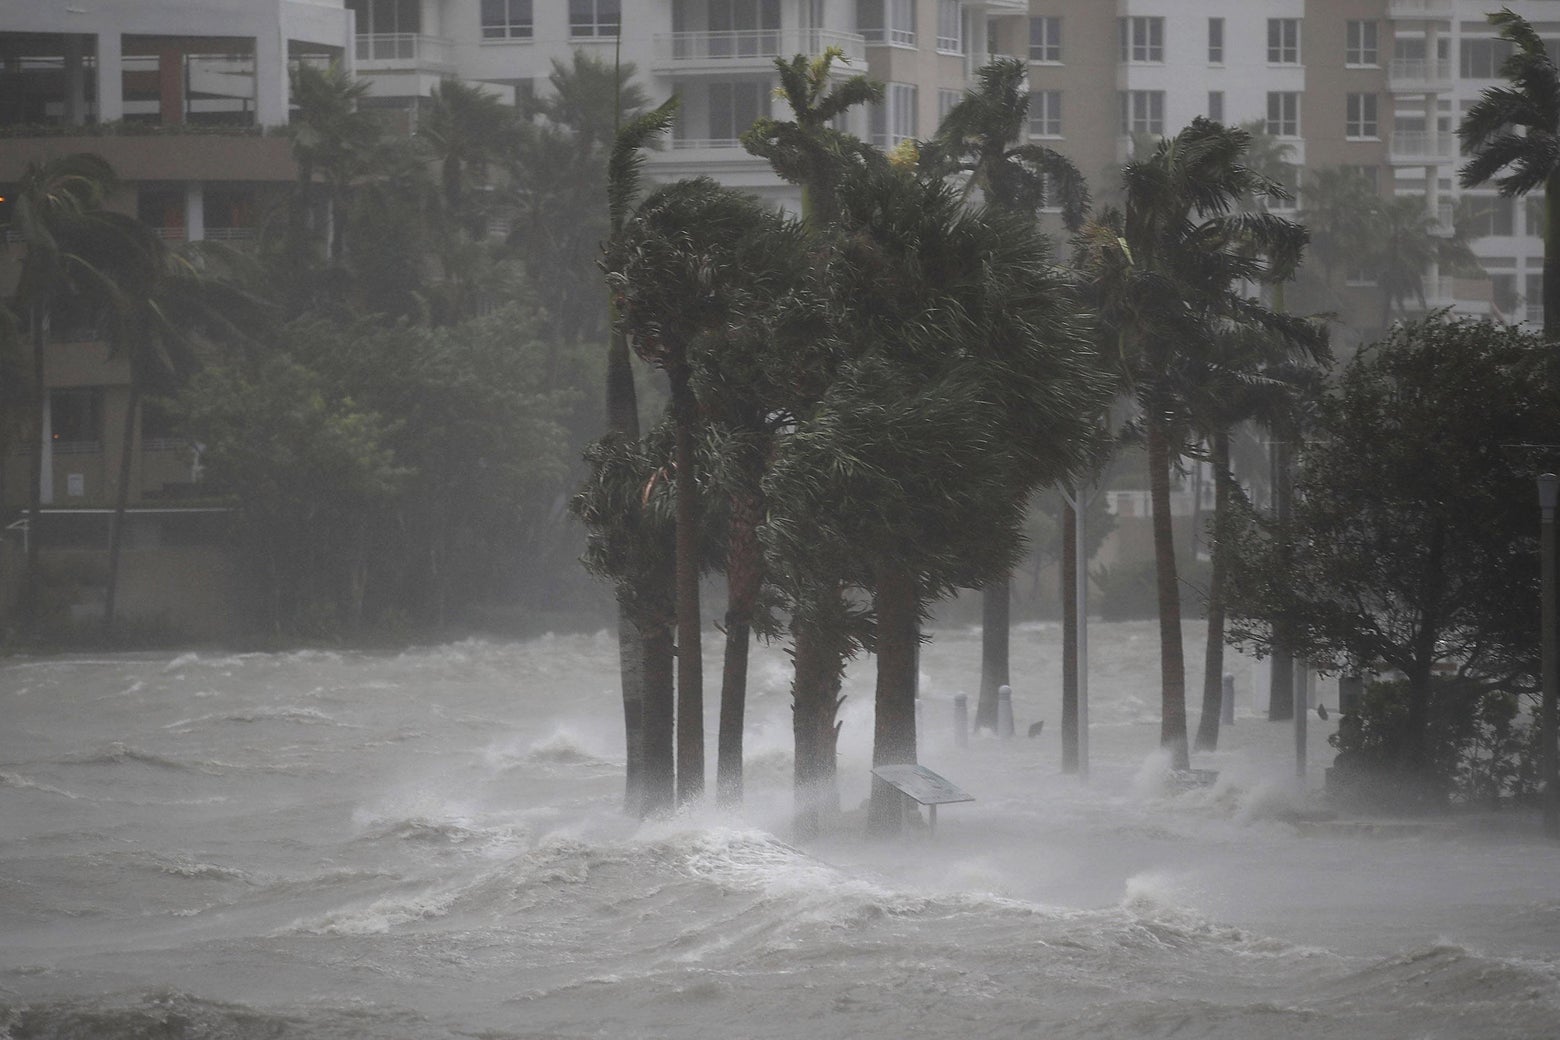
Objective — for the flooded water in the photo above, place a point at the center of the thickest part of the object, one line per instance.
(429, 845)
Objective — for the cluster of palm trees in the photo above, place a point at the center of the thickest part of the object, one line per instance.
(864, 399)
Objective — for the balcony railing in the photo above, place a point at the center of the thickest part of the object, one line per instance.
(760, 46)
(1422, 146)
(379, 51)
(1419, 73)
(685, 143)
(1420, 8)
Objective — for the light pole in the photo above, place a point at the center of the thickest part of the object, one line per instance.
(1548, 487)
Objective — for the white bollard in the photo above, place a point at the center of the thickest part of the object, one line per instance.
(1227, 701)
(1004, 711)
(961, 720)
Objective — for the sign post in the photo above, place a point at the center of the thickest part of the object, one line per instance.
(923, 785)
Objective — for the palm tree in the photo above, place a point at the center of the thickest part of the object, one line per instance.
(467, 129)
(980, 138)
(640, 633)
(1512, 134)
(162, 306)
(807, 150)
(693, 266)
(1164, 274)
(1340, 207)
(332, 136)
(961, 381)
(67, 238)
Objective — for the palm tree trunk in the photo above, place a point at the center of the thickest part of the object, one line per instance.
(660, 775)
(1551, 288)
(690, 674)
(32, 587)
(744, 576)
(996, 609)
(811, 700)
(1281, 682)
(623, 419)
(116, 530)
(1069, 587)
(1172, 664)
(893, 731)
(1213, 656)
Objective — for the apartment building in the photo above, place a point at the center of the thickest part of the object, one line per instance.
(178, 95)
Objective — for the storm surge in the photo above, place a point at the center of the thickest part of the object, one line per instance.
(430, 844)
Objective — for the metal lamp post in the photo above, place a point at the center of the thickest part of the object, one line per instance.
(1548, 488)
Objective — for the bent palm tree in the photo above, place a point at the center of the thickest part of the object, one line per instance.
(1165, 274)
(1513, 134)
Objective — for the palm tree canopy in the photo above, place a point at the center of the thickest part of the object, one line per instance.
(329, 131)
(1513, 132)
(980, 137)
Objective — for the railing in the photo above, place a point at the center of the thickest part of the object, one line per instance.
(171, 234)
(401, 50)
(762, 44)
(1420, 8)
(898, 37)
(1422, 146)
(76, 447)
(1404, 72)
(228, 234)
(682, 143)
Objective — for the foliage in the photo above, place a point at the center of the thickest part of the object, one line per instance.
(1478, 747)
(1414, 536)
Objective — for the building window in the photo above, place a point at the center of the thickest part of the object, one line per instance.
(1361, 120)
(886, 21)
(733, 108)
(1283, 41)
(1283, 113)
(1288, 177)
(1216, 105)
(506, 19)
(950, 27)
(1535, 299)
(894, 120)
(1482, 59)
(1492, 215)
(946, 99)
(1216, 41)
(1045, 113)
(1143, 112)
(1142, 39)
(386, 17)
(1361, 47)
(1371, 175)
(76, 420)
(589, 18)
(1045, 39)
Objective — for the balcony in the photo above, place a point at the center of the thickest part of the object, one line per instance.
(404, 52)
(1411, 9)
(749, 48)
(1419, 75)
(1421, 148)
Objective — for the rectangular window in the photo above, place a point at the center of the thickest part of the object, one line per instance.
(1283, 113)
(1534, 311)
(506, 19)
(1361, 47)
(1288, 175)
(950, 27)
(1045, 113)
(1216, 105)
(1142, 39)
(946, 99)
(1491, 215)
(1045, 39)
(1216, 41)
(1283, 41)
(1143, 112)
(743, 28)
(733, 108)
(886, 21)
(1371, 175)
(590, 18)
(1482, 59)
(1361, 120)
(76, 420)
(894, 120)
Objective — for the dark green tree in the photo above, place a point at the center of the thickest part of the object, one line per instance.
(1413, 543)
